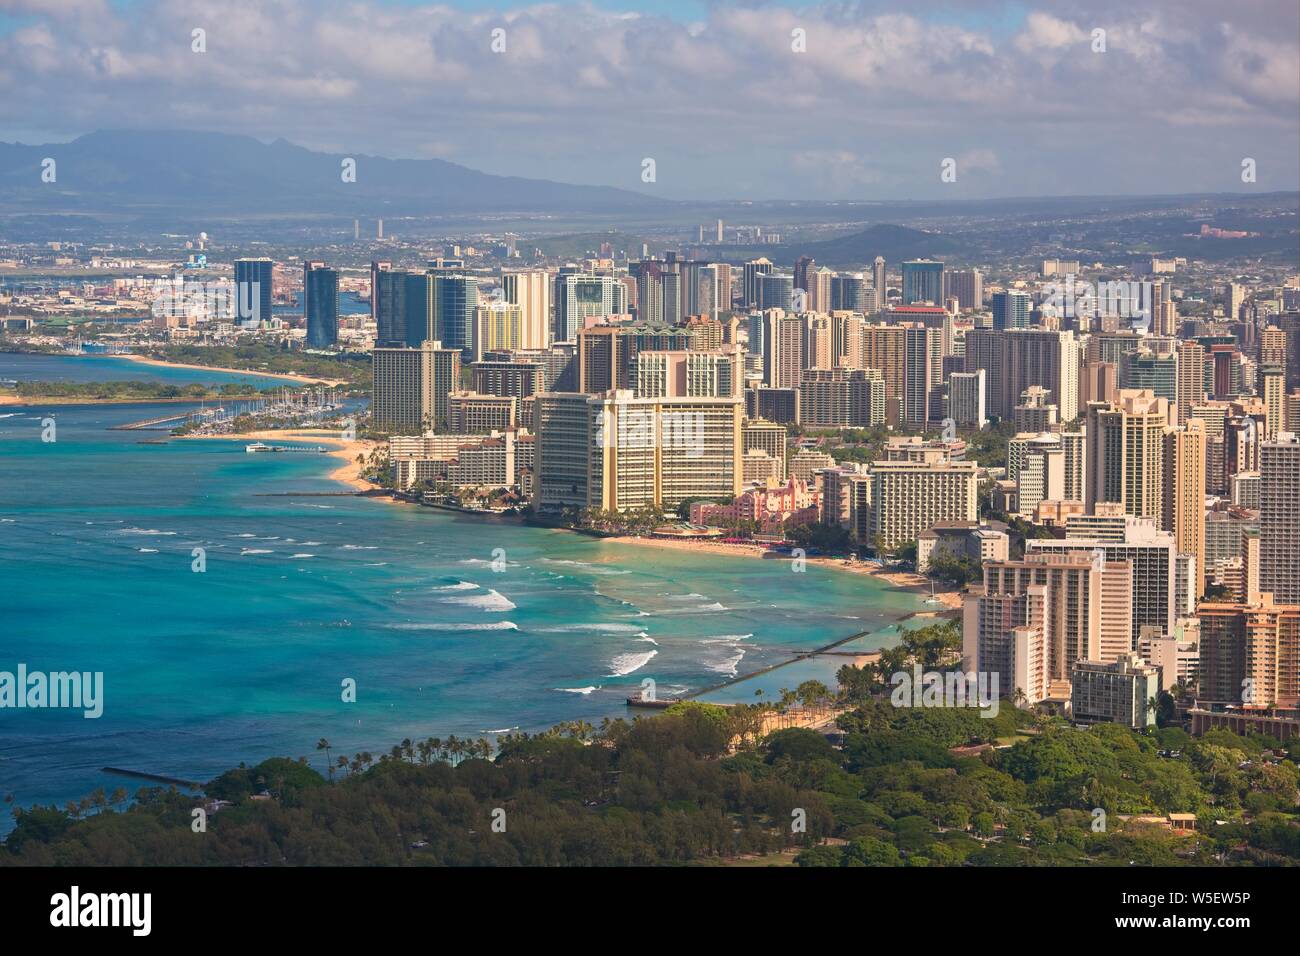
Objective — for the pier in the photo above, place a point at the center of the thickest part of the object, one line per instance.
(155, 777)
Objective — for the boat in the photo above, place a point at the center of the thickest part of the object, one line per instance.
(256, 446)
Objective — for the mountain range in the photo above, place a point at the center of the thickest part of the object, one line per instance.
(144, 171)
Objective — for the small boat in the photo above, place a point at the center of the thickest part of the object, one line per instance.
(256, 447)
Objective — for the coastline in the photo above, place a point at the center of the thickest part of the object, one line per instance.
(948, 599)
(286, 376)
(345, 450)
(41, 400)
(349, 473)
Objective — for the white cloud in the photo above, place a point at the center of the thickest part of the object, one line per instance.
(879, 95)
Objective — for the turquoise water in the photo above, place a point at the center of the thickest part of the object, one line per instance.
(246, 660)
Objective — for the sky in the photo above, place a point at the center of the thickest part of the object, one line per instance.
(732, 100)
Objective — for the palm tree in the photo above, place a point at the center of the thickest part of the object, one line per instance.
(324, 745)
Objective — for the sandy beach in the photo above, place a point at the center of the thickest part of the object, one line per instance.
(286, 376)
(345, 450)
(950, 599)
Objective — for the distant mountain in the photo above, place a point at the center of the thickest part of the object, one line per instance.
(858, 249)
(153, 171)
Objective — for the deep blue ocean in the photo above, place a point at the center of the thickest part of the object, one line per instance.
(245, 660)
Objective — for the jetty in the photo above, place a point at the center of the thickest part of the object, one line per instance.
(155, 777)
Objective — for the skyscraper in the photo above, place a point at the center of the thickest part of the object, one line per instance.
(1125, 457)
(1011, 310)
(412, 385)
(922, 281)
(531, 291)
(253, 282)
(1279, 518)
(1184, 504)
(320, 287)
(879, 280)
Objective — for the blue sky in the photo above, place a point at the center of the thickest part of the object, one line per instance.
(732, 100)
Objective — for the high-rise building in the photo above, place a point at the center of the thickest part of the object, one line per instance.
(688, 374)
(966, 398)
(751, 273)
(253, 287)
(967, 287)
(498, 327)
(1007, 634)
(580, 296)
(783, 344)
(776, 291)
(879, 283)
(1078, 585)
(908, 497)
(1011, 310)
(1250, 653)
(1118, 692)
(638, 452)
(1016, 359)
(1153, 556)
(922, 281)
(376, 267)
(411, 387)
(1279, 518)
(320, 287)
(839, 398)
(531, 291)
(388, 303)
(1184, 494)
(1126, 453)
(1191, 378)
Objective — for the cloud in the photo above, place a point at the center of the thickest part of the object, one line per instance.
(881, 95)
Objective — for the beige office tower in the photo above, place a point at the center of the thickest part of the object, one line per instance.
(1126, 453)
(1272, 389)
(531, 291)
(922, 376)
(1006, 634)
(908, 497)
(649, 452)
(1191, 378)
(411, 387)
(691, 374)
(757, 434)
(819, 342)
(1164, 314)
(1014, 359)
(1184, 495)
(1041, 473)
(1075, 596)
(1279, 518)
(884, 347)
(1075, 446)
(1272, 347)
(847, 330)
(842, 397)
(1152, 552)
(1098, 382)
(879, 283)
(1250, 653)
(498, 327)
(783, 357)
(819, 290)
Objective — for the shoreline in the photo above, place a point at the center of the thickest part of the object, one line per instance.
(348, 473)
(947, 598)
(35, 400)
(284, 376)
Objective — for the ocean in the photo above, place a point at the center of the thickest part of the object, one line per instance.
(247, 659)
